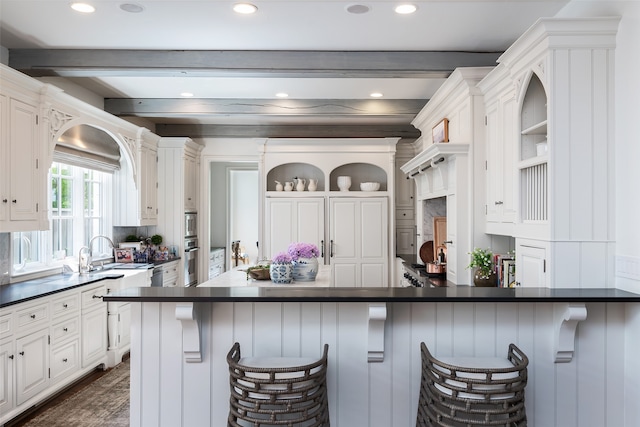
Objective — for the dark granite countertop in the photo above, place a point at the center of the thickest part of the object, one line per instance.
(409, 294)
(16, 293)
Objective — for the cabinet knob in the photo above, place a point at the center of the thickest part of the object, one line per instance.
(404, 214)
(14, 201)
(21, 353)
(4, 200)
(64, 360)
(65, 305)
(11, 356)
(33, 316)
(65, 329)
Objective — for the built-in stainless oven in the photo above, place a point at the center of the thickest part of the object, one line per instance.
(191, 261)
(190, 224)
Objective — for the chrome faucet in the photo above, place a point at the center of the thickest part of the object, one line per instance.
(91, 246)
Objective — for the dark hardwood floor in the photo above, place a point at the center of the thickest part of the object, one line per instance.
(26, 416)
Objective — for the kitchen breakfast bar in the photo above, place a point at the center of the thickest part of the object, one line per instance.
(581, 344)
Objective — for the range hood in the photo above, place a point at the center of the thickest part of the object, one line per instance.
(87, 146)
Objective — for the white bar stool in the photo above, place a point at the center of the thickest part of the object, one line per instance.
(277, 391)
(473, 392)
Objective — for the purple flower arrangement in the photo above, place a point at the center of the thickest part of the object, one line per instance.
(302, 250)
(281, 258)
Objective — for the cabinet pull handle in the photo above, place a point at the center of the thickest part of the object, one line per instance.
(498, 202)
(331, 249)
(33, 316)
(322, 248)
(447, 242)
(96, 296)
(21, 353)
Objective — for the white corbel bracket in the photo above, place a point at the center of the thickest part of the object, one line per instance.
(187, 314)
(567, 317)
(377, 318)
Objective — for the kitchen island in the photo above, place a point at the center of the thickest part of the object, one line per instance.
(180, 338)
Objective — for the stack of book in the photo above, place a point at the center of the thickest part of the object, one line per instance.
(505, 269)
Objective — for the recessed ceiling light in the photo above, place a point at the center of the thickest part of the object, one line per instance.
(358, 9)
(82, 7)
(405, 9)
(186, 94)
(376, 95)
(131, 7)
(282, 95)
(245, 8)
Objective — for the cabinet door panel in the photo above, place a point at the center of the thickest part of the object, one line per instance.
(94, 336)
(279, 231)
(344, 230)
(344, 275)
(4, 155)
(7, 358)
(23, 154)
(373, 217)
(531, 266)
(65, 360)
(373, 275)
(32, 361)
(310, 221)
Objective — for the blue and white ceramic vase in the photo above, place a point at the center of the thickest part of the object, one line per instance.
(281, 273)
(305, 269)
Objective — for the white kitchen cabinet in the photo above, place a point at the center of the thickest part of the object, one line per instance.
(531, 264)
(94, 325)
(7, 379)
(405, 187)
(124, 327)
(23, 176)
(32, 363)
(560, 176)
(358, 242)
(149, 183)
(170, 274)
(405, 240)
(502, 142)
(293, 220)
(216, 262)
(65, 360)
(290, 216)
(190, 183)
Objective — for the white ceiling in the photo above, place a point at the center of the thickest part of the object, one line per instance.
(301, 25)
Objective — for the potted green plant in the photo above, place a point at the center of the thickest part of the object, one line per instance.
(482, 261)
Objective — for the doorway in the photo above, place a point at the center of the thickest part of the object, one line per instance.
(233, 207)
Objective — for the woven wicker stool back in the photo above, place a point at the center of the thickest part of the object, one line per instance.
(292, 396)
(459, 396)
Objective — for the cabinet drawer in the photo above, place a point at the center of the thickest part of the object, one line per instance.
(67, 304)
(65, 359)
(170, 268)
(6, 325)
(405, 214)
(92, 296)
(65, 329)
(32, 315)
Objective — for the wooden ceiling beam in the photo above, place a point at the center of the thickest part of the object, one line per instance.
(220, 63)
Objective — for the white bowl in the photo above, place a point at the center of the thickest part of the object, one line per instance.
(370, 186)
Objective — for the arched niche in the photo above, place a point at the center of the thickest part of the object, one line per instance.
(288, 171)
(359, 173)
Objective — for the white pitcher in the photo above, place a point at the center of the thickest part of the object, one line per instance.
(288, 186)
(300, 185)
(279, 186)
(313, 184)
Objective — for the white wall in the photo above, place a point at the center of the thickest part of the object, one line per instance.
(627, 110)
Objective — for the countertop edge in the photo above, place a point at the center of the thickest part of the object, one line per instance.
(293, 294)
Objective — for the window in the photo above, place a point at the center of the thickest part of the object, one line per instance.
(79, 201)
